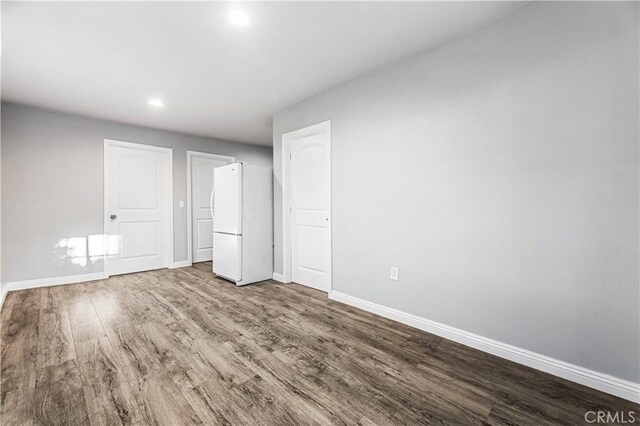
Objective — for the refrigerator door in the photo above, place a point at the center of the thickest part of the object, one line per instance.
(227, 199)
(227, 257)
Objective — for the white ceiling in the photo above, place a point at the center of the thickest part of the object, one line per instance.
(108, 59)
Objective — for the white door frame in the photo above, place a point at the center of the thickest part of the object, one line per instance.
(169, 226)
(288, 139)
(190, 155)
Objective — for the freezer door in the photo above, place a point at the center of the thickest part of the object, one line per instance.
(227, 199)
(227, 257)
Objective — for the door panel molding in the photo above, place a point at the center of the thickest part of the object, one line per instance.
(190, 201)
(168, 227)
(288, 139)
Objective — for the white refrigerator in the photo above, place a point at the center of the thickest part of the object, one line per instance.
(242, 211)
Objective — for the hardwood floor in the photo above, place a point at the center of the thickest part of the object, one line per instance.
(182, 347)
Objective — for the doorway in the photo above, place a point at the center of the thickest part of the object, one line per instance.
(138, 218)
(306, 208)
(200, 185)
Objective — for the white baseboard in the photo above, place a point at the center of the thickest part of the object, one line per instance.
(3, 294)
(48, 282)
(602, 382)
(278, 277)
(181, 264)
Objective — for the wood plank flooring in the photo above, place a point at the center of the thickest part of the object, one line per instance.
(182, 347)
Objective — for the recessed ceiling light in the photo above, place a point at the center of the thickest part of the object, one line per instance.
(156, 103)
(238, 17)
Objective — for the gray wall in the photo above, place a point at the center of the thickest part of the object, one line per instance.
(52, 185)
(500, 173)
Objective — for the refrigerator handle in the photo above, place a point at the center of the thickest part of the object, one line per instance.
(213, 191)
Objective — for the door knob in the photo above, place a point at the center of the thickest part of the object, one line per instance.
(113, 217)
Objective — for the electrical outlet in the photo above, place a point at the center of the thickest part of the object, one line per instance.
(394, 273)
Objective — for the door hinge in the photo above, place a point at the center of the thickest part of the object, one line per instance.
(289, 156)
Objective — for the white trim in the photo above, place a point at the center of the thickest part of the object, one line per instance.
(48, 282)
(190, 155)
(3, 294)
(181, 264)
(602, 382)
(111, 142)
(287, 139)
(278, 277)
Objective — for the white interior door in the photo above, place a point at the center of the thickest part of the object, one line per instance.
(137, 206)
(202, 182)
(310, 211)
